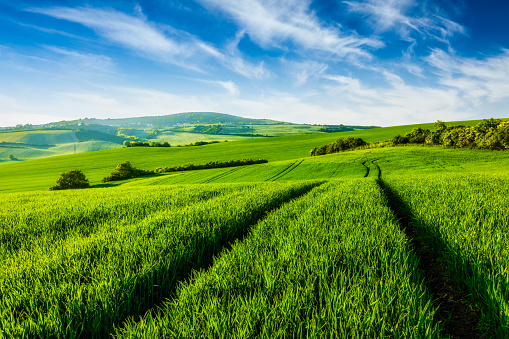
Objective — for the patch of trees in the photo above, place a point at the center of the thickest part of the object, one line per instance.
(84, 134)
(152, 135)
(72, 179)
(339, 145)
(490, 134)
(334, 129)
(212, 164)
(145, 144)
(201, 143)
(214, 129)
(125, 170)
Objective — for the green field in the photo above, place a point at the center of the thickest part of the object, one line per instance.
(327, 246)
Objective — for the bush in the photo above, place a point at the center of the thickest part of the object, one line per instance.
(125, 170)
(72, 179)
(340, 145)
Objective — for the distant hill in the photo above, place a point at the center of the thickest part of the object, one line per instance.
(84, 135)
(206, 118)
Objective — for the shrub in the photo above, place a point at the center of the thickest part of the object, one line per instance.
(125, 170)
(72, 179)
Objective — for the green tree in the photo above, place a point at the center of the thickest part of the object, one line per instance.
(125, 170)
(71, 180)
(12, 157)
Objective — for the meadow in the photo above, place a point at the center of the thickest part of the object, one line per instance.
(298, 247)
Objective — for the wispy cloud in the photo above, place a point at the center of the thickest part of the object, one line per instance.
(84, 60)
(477, 79)
(301, 71)
(407, 18)
(272, 24)
(162, 43)
(397, 103)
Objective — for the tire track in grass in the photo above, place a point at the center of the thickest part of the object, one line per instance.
(367, 168)
(206, 259)
(221, 175)
(287, 170)
(369, 171)
(459, 319)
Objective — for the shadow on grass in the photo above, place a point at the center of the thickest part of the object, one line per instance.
(160, 284)
(460, 317)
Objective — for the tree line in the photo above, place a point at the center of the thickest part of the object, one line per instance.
(492, 134)
(145, 144)
(126, 170)
(339, 145)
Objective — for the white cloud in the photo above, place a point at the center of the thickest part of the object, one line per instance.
(84, 60)
(230, 87)
(129, 31)
(271, 24)
(13, 112)
(477, 79)
(399, 103)
(91, 98)
(301, 71)
(405, 17)
(162, 43)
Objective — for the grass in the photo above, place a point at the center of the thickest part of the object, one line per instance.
(42, 137)
(246, 251)
(464, 217)
(183, 138)
(79, 280)
(331, 264)
(41, 173)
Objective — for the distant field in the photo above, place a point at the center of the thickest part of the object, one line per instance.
(44, 137)
(183, 138)
(407, 241)
(42, 173)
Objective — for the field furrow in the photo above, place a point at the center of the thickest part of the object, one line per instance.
(88, 284)
(332, 264)
(464, 219)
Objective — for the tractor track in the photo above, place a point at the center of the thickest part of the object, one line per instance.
(287, 170)
(454, 312)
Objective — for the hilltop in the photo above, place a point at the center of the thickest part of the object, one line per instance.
(401, 231)
(85, 135)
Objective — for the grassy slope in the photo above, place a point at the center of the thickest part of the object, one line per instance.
(65, 139)
(43, 137)
(182, 138)
(41, 173)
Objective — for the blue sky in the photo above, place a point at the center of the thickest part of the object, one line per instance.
(369, 62)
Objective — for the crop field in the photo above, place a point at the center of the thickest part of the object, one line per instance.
(465, 217)
(183, 138)
(65, 277)
(373, 243)
(45, 137)
(332, 263)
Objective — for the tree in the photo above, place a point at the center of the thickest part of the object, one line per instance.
(125, 170)
(71, 180)
(12, 157)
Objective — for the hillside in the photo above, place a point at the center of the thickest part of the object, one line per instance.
(415, 237)
(68, 137)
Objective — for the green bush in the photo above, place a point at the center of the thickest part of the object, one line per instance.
(125, 170)
(72, 179)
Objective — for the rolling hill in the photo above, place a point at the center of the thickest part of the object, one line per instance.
(86, 135)
(407, 241)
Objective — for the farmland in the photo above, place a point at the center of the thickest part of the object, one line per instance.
(326, 246)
